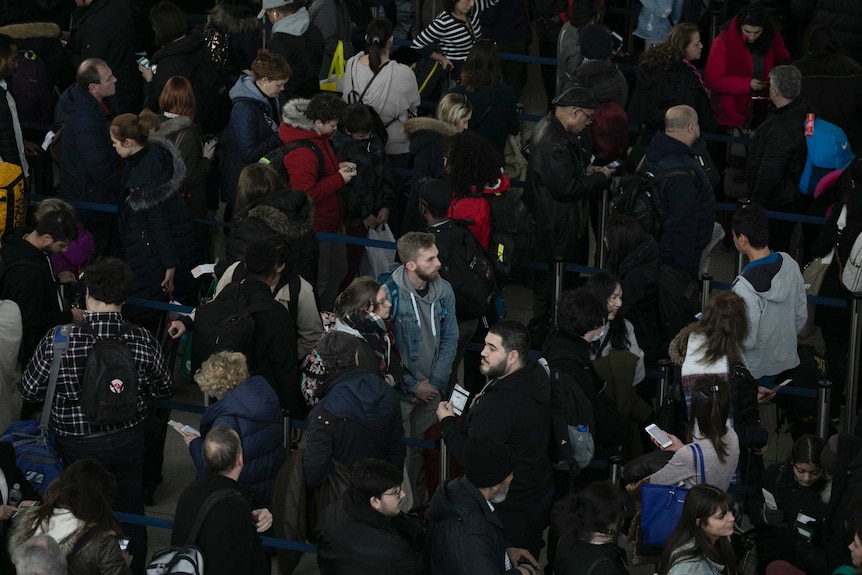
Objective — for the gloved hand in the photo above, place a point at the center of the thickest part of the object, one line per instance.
(772, 516)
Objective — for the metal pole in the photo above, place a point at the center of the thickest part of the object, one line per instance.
(559, 268)
(616, 467)
(740, 259)
(824, 393)
(705, 290)
(664, 386)
(851, 389)
(603, 216)
(444, 461)
(287, 421)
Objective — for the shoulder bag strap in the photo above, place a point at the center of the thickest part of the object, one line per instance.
(61, 344)
(698, 456)
(368, 85)
(208, 505)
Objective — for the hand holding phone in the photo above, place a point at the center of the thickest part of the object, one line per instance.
(660, 436)
(144, 62)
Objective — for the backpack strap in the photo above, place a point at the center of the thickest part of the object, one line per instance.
(368, 85)
(82, 541)
(61, 344)
(208, 505)
(596, 563)
(306, 143)
(294, 286)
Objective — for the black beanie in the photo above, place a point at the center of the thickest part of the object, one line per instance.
(487, 462)
(596, 42)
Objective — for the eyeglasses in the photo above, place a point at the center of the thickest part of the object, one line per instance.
(396, 492)
(589, 116)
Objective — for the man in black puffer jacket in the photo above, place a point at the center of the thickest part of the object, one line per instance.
(777, 154)
(685, 202)
(843, 17)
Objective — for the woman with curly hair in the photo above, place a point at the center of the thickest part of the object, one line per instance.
(249, 405)
(495, 115)
(666, 77)
(76, 512)
(473, 169)
(700, 544)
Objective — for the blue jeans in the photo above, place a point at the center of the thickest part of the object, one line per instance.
(122, 453)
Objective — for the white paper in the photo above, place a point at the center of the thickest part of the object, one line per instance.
(49, 138)
(183, 429)
(769, 498)
(202, 269)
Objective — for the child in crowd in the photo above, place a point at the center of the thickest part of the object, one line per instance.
(369, 197)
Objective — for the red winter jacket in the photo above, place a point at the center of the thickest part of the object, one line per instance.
(478, 210)
(729, 71)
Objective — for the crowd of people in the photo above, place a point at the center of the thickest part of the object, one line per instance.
(166, 124)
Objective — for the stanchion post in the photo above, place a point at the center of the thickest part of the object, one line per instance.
(705, 290)
(615, 462)
(851, 390)
(740, 259)
(824, 393)
(600, 239)
(444, 462)
(285, 413)
(558, 270)
(664, 385)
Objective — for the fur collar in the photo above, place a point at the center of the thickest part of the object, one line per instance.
(280, 222)
(231, 21)
(293, 114)
(678, 345)
(32, 30)
(170, 127)
(414, 125)
(168, 184)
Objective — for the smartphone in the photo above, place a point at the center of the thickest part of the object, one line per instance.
(124, 544)
(659, 435)
(144, 62)
(459, 399)
(614, 165)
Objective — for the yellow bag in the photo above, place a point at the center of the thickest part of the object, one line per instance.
(11, 197)
(334, 81)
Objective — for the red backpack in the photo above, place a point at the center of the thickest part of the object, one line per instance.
(610, 132)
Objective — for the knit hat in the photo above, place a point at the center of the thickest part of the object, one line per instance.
(337, 351)
(487, 462)
(436, 196)
(576, 95)
(596, 42)
(267, 4)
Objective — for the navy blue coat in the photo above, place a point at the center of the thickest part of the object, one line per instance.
(89, 166)
(156, 227)
(359, 416)
(252, 410)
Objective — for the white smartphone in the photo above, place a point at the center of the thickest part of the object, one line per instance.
(614, 165)
(659, 435)
(459, 399)
(144, 62)
(783, 383)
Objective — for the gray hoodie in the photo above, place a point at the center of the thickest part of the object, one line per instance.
(774, 295)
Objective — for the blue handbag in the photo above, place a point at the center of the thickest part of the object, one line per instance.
(661, 505)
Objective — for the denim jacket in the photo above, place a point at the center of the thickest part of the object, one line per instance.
(415, 336)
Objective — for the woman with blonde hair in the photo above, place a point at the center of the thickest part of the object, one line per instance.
(249, 405)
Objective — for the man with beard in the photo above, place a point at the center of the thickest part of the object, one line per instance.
(465, 532)
(514, 408)
(426, 332)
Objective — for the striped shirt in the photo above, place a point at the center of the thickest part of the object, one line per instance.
(67, 415)
(454, 38)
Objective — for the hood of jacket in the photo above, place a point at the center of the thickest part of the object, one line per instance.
(79, 102)
(602, 77)
(170, 126)
(770, 277)
(359, 395)
(293, 115)
(408, 292)
(167, 185)
(295, 25)
(32, 30)
(531, 380)
(16, 248)
(286, 212)
(645, 252)
(234, 18)
(63, 527)
(190, 44)
(559, 346)
(245, 88)
(461, 499)
(414, 126)
(253, 399)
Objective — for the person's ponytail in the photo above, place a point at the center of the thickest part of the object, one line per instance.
(377, 36)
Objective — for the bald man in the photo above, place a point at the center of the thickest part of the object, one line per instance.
(685, 201)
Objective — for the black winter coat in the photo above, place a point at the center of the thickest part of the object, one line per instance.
(305, 56)
(495, 115)
(355, 539)
(426, 137)
(657, 90)
(241, 25)
(558, 188)
(638, 271)
(358, 416)
(89, 166)
(685, 203)
(186, 57)
(106, 29)
(516, 410)
(842, 17)
(572, 356)
(580, 558)
(776, 157)
(372, 188)
(156, 227)
(464, 536)
(832, 86)
(605, 81)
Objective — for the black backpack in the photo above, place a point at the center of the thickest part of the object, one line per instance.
(632, 194)
(109, 388)
(225, 324)
(466, 266)
(512, 229)
(275, 158)
(678, 301)
(571, 410)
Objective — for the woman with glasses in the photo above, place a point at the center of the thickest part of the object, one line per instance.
(791, 507)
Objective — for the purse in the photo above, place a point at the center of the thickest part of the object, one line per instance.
(661, 505)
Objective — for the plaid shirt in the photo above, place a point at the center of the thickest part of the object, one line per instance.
(66, 414)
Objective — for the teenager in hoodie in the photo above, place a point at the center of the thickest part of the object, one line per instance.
(298, 41)
(426, 329)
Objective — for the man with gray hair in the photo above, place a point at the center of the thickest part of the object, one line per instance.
(39, 555)
(776, 155)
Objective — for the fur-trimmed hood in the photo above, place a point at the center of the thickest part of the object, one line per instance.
(283, 219)
(160, 155)
(678, 345)
(415, 125)
(233, 19)
(293, 114)
(169, 127)
(64, 527)
(32, 30)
